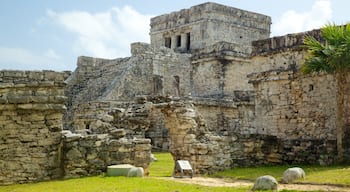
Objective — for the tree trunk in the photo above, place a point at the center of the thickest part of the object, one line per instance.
(340, 113)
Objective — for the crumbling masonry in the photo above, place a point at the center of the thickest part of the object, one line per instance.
(211, 88)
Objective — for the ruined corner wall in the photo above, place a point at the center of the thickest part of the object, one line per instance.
(31, 107)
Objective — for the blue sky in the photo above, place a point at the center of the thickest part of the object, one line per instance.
(51, 34)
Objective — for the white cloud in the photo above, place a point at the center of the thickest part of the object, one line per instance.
(292, 21)
(106, 34)
(50, 53)
(22, 59)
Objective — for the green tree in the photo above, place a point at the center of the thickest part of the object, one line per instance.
(331, 55)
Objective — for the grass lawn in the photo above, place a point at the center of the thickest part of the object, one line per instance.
(113, 184)
(164, 167)
(314, 173)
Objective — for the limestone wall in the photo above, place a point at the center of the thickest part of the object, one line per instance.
(214, 146)
(111, 117)
(157, 131)
(280, 44)
(107, 133)
(86, 155)
(31, 107)
(89, 82)
(227, 118)
(173, 71)
(219, 78)
(149, 71)
(259, 149)
(289, 105)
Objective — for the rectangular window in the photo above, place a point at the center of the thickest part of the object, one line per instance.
(158, 85)
(168, 42)
(178, 41)
(188, 41)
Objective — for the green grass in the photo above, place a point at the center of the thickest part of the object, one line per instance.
(335, 174)
(332, 174)
(114, 184)
(164, 167)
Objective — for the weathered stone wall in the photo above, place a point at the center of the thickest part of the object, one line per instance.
(89, 82)
(219, 78)
(31, 107)
(280, 44)
(226, 118)
(190, 139)
(259, 149)
(208, 24)
(106, 133)
(289, 105)
(210, 150)
(171, 73)
(157, 131)
(111, 117)
(87, 155)
(149, 71)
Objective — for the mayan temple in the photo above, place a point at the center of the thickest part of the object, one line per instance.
(212, 88)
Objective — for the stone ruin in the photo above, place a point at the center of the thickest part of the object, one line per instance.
(212, 88)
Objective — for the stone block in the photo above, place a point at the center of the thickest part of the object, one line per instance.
(266, 182)
(136, 172)
(119, 170)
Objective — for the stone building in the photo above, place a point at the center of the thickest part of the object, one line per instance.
(207, 24)
(211, 88)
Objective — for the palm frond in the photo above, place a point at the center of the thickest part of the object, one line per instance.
(331, 56)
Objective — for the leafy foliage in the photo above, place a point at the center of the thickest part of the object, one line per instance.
(332, 55)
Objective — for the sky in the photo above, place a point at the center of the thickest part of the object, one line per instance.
(52, 34)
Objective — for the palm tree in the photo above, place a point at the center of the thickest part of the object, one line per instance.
(331, 55)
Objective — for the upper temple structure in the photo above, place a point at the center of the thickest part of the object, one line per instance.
(212, 88)
(207, 24)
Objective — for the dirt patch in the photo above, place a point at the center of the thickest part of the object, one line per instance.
(217, 182)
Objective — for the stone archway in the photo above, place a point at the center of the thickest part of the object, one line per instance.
(190, 139)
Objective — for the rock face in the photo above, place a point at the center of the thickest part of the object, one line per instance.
(266, 182)
(292, 174)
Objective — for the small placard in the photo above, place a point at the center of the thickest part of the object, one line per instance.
(182, 169)
(184, 165)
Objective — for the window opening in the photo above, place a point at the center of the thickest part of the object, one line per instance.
(178, 41)
(168, 42)
(188, 41)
